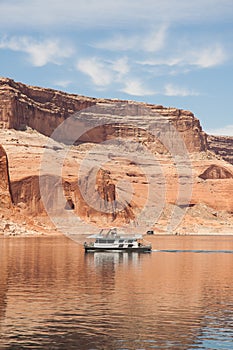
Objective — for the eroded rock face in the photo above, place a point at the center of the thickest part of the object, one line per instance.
(38, 108)
(215, 172)
(117, 193)
(45, 109)
(222, 146)
(5, 194)
(26, 193)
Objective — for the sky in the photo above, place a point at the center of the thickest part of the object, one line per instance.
(171, 52)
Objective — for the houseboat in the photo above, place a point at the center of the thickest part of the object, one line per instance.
(112, 241)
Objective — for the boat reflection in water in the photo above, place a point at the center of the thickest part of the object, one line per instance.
(110, 259)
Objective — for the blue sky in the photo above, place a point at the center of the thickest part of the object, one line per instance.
(170, 52)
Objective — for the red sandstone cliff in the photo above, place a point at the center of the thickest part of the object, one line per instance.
(5, 194)
(38, 108)
(222, 146)
(45, 109)
(29, 114)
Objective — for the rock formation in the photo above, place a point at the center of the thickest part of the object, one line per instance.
(222, 146)
(111, 162)
(38, 108)
(215, 172)
(45, 109)
(5, 193)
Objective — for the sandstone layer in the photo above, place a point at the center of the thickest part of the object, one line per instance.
(222, 146)
(109, 163)
(44, 110)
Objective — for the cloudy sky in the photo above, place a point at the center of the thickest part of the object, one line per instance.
(171, 52)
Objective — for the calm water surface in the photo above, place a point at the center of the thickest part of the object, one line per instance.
(53, 296)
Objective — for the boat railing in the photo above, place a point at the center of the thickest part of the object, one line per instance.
(89, 244)
(111, 232)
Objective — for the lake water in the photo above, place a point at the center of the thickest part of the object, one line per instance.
(53, 296)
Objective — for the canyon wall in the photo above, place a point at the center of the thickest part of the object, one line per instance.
(45, 109)
(5, 193)
(38, 108)
(222, 146)
(160, 175)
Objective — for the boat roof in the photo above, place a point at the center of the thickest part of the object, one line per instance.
(119, 236)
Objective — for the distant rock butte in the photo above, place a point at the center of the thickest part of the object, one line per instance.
(222, 146)
(118, 191)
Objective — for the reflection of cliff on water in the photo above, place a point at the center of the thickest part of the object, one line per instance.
(3, 281)
(55, 296)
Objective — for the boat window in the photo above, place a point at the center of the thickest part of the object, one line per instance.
(121, 240)
(130, 241)
(103, 240)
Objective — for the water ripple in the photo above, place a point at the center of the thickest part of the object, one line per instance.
(54, 297)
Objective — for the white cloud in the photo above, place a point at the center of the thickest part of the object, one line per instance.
(103, 73)
(99, 73)
(155, 41)
(62, 83)
(81, 13)
(167, 61)
(135, 88)
(109, 73)
(118, 43)
(121, 66)
(209, 57)
(224, 131)
(172, 90)
(206, 57)
(106, 73)
(40, 52)
(150, 41)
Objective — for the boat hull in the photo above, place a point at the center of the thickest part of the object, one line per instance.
(143, 249)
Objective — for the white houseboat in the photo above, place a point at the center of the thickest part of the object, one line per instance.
(112, 241)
